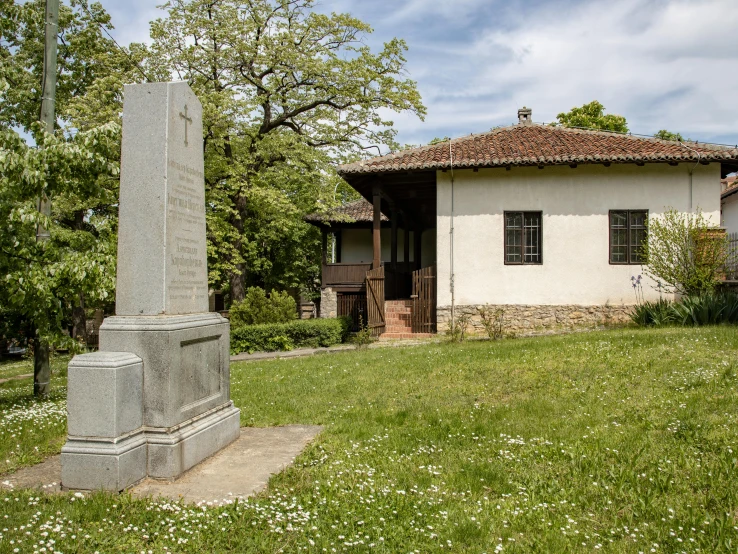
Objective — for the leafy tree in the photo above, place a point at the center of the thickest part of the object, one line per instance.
(43, 281)
(286, 93)
(48, 284)
(684, 253)
(663, 134)
(592, 116)
(85, 55)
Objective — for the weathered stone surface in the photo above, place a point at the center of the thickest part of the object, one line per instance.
(520, 318)
(174, 451)
(328, 303)
(105, 394)
(161, 238)
(185, 362)
(109, 464)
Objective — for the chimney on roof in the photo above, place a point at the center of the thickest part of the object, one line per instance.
(525, 116)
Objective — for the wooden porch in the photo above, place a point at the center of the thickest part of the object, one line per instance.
(366, 278)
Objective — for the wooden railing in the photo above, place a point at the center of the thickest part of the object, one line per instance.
(345, 274)
(353, 305)
(731, 264)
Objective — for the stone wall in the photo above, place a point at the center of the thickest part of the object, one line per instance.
(328, 303)
(520, 318)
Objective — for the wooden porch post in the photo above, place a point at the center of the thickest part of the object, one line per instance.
(418, 236)
(376, 229)
(394, 240)
(406, 244)
(324, 247)
(339, 240)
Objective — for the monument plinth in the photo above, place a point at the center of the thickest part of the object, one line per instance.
(162, 299)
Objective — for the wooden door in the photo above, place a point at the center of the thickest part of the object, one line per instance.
(424, 300)
(375, 300)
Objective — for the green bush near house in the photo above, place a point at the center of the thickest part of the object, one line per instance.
(713, 308)
(303, 333)
(259, 307)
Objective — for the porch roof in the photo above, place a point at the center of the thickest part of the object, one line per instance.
(358, 211)
(539, 145)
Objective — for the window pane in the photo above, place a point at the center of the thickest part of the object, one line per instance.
(513, 237)
(532, 238)
(637, 235)
(619, 237)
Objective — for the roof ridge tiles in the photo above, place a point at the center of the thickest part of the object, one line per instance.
(536, 145)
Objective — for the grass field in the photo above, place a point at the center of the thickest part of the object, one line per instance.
(617, 441)
(31, 429)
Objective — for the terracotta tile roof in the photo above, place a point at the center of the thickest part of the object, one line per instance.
(353, 212)
(532, 145)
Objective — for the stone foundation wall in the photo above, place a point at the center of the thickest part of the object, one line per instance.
(520, 318)
(328, 303)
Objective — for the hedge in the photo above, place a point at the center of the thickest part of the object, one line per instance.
(302, 333)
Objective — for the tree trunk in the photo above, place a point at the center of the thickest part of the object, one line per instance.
(79, 321)
(41, 369)
(237, 278)
(238, 283)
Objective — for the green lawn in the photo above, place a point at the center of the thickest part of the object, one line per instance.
(31, 429)
(617, 441)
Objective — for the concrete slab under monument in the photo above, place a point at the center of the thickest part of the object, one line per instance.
(240, 470)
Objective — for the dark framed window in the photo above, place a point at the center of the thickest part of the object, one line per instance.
(523, 238)
(627, 235)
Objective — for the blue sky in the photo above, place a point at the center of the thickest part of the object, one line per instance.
(663, 64)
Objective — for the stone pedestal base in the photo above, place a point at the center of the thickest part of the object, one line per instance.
(174, 451)
(109, 464)
(155, 401)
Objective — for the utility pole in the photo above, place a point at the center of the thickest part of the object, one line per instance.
(41, 367)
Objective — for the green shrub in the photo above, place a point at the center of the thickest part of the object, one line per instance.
(492, 321)
(705, 309)
(257, 307)
(684, 253)
(659, 313)
(363, 337)
(302, 333)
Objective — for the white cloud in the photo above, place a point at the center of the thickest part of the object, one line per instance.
(667, 65)
(662, 64)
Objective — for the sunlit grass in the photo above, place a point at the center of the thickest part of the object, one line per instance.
(32, 429)
(618, 441)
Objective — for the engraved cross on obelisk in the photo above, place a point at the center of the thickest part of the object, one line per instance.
(187, 120)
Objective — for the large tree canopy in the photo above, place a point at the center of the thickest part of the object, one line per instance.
(286, 93)
(592, 116)
(42, 283)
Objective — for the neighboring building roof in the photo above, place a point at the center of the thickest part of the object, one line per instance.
(729, 186)
(533, 145)
(353, 212)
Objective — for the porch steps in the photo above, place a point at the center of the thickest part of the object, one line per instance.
(398, 320)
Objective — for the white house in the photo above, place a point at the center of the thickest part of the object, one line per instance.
(545, 222)
(729, 203)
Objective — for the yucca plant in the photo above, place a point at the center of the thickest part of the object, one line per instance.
(654, 314)
(707, 309)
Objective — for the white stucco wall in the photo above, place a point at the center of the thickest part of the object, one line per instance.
(730, 213)
(356, 246)
(575, 204)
